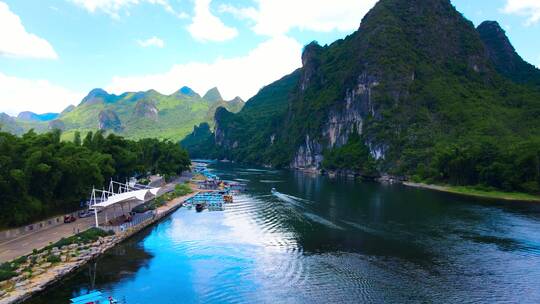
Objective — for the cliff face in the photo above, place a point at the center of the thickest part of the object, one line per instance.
(415, 74)
(342, 119)
(146, 109)
(348, 86)
(109, 120)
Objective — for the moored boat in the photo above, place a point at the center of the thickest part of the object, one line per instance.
(199, 207)
(95, 297)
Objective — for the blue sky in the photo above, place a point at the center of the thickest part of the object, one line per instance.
(52, 52)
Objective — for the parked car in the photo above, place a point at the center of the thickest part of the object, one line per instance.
(84, 213)
(87, 213)
(69, 219)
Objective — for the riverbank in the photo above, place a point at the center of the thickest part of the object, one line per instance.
(472, 192)
(71, 257)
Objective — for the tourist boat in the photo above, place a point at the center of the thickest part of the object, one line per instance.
(228, 198)
(95, 297)
(199, 207)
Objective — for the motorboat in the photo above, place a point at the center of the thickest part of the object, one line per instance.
(199, 207)
(95, 297)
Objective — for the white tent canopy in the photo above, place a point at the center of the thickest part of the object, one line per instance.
(120, 194)
(138, 196)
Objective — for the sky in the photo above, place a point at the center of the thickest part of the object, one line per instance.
(53, 52)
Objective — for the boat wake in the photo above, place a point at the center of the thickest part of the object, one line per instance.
(285, 198)
(322, 221)
(365, 229)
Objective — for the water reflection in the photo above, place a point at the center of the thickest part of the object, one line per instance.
(331, 241)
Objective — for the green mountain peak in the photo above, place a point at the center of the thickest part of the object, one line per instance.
(213, 95)
(504, 56)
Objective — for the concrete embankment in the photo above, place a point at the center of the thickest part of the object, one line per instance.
(72, 257)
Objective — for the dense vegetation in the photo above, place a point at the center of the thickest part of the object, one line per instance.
(200, 143)
(504, 57)
(437, 101)
(254, 128)
(353, 156)
(40, 175)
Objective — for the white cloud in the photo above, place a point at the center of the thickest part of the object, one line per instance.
(240, 76)
(19, 94)
(278, 17)
(207, 27)
(15, 41)
(154, 41)
(113, 7)
(528, 8)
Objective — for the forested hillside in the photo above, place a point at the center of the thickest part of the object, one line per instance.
(428, 95)
(40, 175)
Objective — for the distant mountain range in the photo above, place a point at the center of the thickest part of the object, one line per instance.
(132, 114)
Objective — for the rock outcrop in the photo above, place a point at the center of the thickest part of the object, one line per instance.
(146, 109)
(109, 120)
(57, 124)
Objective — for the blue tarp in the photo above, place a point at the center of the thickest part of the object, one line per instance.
(93, 296)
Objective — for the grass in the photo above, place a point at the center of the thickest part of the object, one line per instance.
(7, 271)
(482, 192)
(179, 190)
(511, 196)
(89, 236)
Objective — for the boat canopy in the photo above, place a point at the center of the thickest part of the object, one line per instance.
(93, 297)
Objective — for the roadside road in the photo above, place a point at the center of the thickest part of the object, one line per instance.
(23, 245)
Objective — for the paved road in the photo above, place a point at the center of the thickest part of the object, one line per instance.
(25, 244)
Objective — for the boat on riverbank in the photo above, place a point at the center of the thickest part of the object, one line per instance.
(95, 297)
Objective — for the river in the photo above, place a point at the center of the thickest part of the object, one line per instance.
(325, 241)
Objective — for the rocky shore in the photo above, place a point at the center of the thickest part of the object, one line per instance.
(37, 272)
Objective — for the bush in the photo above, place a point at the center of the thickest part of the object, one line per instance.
(7, 271)
(143, 181)
(182, 189)
(85, 237)
(53, 259)
(6, 275)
